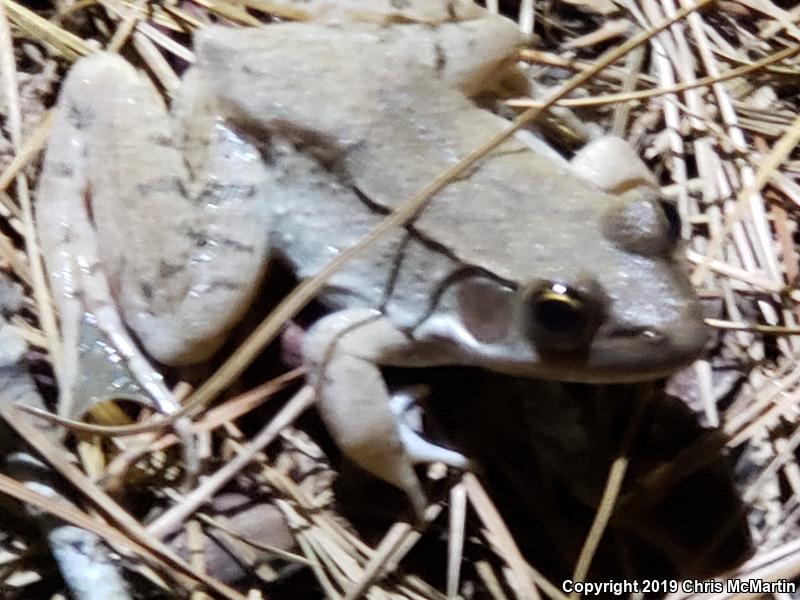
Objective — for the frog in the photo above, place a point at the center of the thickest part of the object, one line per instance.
(290, 142)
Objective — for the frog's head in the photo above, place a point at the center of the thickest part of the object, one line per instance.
(615, 307)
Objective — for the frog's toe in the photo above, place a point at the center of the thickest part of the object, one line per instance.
(418, 448)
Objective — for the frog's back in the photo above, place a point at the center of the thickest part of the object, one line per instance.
(378, 131)
(389, 125)
(347, 121)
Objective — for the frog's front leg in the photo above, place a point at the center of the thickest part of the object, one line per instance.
(343, 352)
(421, 450)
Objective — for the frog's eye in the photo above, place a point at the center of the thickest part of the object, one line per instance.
(561, 317)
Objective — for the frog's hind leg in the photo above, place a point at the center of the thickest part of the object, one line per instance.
(214, 226)
(65, 221)
(80, 166)
(343, 352)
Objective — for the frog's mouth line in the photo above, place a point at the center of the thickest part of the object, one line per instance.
(608, 377)
(607, 360)
(612, 360)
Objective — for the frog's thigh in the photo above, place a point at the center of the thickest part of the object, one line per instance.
(217, 241)
(612, 165)
(133, 177)
(342, 352)
(183, 251)
(97, 149)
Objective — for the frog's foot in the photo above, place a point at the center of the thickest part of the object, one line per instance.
(409, 423)
(342, 353)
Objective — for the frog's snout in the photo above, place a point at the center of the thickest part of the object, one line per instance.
(655, 348)
(577, 324)
(687, 334)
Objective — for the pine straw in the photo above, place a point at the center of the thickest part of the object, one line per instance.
(724, 151)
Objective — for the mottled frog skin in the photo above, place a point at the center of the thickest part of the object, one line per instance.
(292, 141)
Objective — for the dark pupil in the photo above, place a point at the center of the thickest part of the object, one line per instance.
(557, 316)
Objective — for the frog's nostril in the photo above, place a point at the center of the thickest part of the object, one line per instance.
(647, 334)
(651, 335)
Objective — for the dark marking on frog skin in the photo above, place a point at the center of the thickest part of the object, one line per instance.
(432, 244)
(248, 69)
(161, 140)
(66, 236)
(147, 290)
(200, 238)
(319, 147)
(369, 202)
(400, 4)
(215, 193)
(440, 64)
(457, 274)
(396, 263)
(88, 206)
(166, 269)
(226, 284)
(413, 231)
(166, 184)
(79, 546)
(95, 268)
(236, 245)
(79, 117)
(61, 169)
